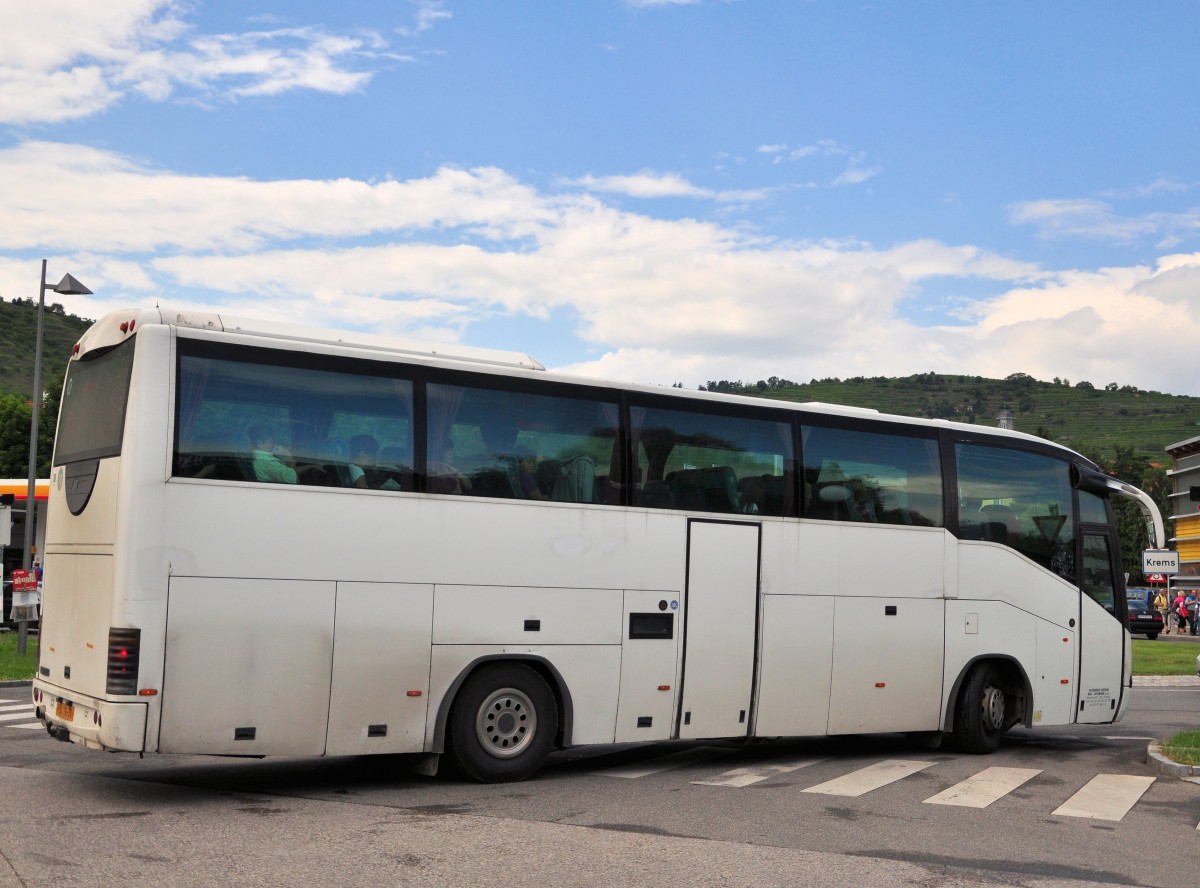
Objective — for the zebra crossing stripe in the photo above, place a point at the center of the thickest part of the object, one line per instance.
(662, 763)
(36, 726)
(1125, 737)
(872, 777)
(984, 788)
(1106, 797)
(746, 776)
(9, 707)
(17, 716)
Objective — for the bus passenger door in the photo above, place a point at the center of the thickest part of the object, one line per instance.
(1101, 629)
(720, 623)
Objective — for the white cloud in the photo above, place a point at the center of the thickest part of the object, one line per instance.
(856, 175)
(650, 184)
(1150, 189)
(70, 196)
(644, 184)
(119, 48)
(428, 14)
(1093, 219)
(855, 168)
(652, 300)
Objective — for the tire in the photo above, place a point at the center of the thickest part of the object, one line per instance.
(1152, 635)
(981, 716)
(502, 724)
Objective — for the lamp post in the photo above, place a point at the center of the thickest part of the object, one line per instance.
(68, 286)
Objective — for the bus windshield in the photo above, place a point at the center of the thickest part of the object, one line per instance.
(92, 419)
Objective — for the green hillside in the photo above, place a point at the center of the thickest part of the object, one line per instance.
(1091, 419)
(18, 338)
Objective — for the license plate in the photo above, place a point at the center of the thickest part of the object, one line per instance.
(65, 710)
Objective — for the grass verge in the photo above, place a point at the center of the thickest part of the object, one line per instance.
(14, 667)
(1163, 658)
(1184, 748)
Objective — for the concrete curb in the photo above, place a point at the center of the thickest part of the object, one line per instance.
(1163, 765)
(1166, 681)
(17, 684)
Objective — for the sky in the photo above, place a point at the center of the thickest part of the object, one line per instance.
(654, 191)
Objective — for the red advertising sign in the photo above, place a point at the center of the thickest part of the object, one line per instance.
(24, 581)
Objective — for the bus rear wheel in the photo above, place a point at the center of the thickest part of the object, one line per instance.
(503, 723)
(982, 711)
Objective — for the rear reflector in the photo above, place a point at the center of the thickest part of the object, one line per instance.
(123, 648)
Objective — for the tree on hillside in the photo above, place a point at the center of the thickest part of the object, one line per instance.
(15, 415)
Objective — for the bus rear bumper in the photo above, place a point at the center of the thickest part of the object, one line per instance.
(90, 722)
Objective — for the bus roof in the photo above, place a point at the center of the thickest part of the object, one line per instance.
(115, 326)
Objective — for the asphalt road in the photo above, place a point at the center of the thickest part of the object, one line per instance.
(1088, 810)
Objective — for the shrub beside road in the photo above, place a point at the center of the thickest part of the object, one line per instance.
(12, 666)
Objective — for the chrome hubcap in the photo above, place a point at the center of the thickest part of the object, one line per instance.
(506, 723)
(993, 707)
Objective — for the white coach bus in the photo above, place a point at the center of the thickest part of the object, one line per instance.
(265, 541)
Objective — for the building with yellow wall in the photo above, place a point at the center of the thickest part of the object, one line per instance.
(1185, 510)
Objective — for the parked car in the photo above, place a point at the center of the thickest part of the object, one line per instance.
(1144, 619)
(1140, 593)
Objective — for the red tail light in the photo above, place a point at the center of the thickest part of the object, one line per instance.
(124, 645)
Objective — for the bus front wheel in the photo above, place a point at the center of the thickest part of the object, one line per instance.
(982, 711)
(503, 723)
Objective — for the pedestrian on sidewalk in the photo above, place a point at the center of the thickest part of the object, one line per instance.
(1179, 612)
(1162, 606)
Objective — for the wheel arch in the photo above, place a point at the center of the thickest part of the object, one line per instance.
(1014, 674)
(547, 670)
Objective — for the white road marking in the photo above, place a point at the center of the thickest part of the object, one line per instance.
(36, 726)
(1106, 797)
(874, 776)
(753, 774)
(9, 707)
(984, 788)
(17, 716)
(662, 763)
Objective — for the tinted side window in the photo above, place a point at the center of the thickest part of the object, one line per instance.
(1023, 500)
(252, 421)
(1097, 579)
(871, 476)
(1092, 509)
(520, 445)
(92, 416)
(700, 461)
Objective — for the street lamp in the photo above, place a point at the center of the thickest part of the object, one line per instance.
(68, 286)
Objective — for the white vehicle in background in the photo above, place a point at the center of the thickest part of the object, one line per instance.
(265, 541)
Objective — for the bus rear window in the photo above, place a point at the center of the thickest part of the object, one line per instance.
(92, 418)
